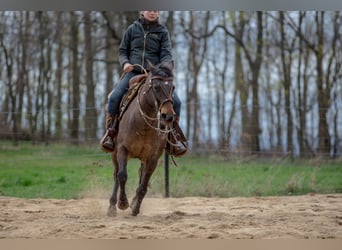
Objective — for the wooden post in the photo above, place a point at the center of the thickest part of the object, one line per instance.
(166, 167)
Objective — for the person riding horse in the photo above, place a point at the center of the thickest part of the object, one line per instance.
(145, 129)
(144, 40)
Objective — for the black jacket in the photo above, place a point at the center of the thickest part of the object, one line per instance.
(144, 41)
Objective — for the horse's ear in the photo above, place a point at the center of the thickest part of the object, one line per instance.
(168, 64)
(150, 66)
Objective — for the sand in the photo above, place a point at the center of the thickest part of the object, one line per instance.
(289, 217)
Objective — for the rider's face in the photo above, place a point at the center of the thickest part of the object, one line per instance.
(150, 15)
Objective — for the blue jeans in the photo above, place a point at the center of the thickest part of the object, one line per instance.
(121, 89)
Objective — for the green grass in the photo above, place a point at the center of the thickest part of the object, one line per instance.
(64, 171)
(209, 177)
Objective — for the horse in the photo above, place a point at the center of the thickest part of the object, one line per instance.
(143, 134)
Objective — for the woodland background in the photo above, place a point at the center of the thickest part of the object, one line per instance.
(265, 83)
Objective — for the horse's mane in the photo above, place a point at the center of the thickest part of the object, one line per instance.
(163, 70)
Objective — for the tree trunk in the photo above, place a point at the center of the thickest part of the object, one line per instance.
(286, 59)
(91, 114)
(323, 89)
(255, 68)
(241, 84)
(12, 97)
(75, 79)
(58, 77)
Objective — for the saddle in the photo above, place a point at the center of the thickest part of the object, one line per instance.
(134, 85)
(137, 79)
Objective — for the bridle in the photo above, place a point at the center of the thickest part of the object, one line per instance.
(167, 92)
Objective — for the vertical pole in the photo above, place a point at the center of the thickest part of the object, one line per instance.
(166, 167)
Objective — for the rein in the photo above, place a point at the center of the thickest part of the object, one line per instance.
(148, 120)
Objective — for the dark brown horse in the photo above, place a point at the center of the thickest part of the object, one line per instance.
(142, 134)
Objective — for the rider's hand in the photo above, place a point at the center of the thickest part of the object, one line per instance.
(128, 67)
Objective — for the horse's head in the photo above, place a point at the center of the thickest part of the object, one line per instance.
(160, 82)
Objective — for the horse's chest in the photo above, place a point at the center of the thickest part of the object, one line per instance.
(148, 147)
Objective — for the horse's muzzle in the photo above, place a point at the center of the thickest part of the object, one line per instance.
(167, 118)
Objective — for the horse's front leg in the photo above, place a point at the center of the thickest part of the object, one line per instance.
(113, 199)
(146, 172)
(122, 178)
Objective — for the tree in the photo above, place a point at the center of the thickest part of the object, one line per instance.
(74, 43)
(242, 85)
(59, 75)
(286, 52)
(195, 57)
(325, 76)
(11, 91)
(257, 81)
(91, 114)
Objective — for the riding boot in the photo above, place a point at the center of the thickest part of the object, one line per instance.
(178, 146)
(107, 142)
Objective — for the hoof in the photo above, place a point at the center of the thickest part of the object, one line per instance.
(111, 211)
(123, 204)
(135, 207)
(134, 213)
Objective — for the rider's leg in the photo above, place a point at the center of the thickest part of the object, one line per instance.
(113, 110)
(179, 143)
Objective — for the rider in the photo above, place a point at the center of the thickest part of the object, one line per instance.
(144, 40)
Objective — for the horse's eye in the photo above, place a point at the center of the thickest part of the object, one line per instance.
(156, 87)
(168, 84)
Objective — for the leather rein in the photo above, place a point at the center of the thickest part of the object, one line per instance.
(149, 120)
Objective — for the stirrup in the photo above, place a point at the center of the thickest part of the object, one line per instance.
(179, 150)
(176, 146)
(109, 144)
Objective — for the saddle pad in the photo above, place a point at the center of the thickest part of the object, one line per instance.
(129, 96)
